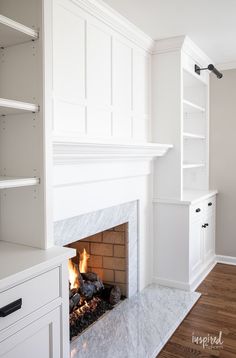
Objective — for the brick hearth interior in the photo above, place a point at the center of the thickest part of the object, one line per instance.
(108, 255)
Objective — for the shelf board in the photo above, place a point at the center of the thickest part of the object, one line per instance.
(14, 33)
(12, 182)
(193, 165)
(9, 107)
(193, 136)
(190, 107)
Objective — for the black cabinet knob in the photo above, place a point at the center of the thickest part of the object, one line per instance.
(209, 204)
(198, 210)
(10, 308)
(204, 226)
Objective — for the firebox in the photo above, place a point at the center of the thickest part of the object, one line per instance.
(98, 276)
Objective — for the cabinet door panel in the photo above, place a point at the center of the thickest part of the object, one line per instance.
(41, 339)
(209, 237)
(196, 254)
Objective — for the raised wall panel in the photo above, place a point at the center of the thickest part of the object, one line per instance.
(69, 69)
(98, 66)
(98, 122)
(122, 89)
(140, 83)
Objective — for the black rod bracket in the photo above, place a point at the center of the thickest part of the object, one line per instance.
(209, 68)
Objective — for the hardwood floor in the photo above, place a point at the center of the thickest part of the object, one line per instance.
(215, 311)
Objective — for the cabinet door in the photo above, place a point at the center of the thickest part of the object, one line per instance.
(41, 339)
(196, 247)
(209, 237)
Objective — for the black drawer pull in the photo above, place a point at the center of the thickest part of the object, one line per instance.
(209, 204)
(12, 307)
(198, 210)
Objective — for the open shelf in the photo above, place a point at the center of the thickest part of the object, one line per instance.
(12, 182)
(193, 136)
(193, 165)
(8, 107)
(14, 33)
(190, 107)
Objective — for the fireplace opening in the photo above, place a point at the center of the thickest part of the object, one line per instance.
(97, 277)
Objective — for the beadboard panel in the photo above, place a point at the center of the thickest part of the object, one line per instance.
(101, 78)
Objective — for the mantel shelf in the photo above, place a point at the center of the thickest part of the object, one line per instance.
(65, 152)
(190, 107)
(9, 107)
(193, 165)
(14, 33)
(193, 136)
(12, 182)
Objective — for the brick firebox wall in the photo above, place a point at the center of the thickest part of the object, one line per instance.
(108, 255)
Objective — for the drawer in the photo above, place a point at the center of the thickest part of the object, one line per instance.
(35, 293)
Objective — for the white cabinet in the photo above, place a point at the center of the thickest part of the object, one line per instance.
(184, 246)
(39, 339)
(34, 302)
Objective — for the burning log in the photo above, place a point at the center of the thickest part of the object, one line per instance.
(115, 295)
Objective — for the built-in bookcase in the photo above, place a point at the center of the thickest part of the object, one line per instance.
(180, 114)
(22, 129)
(195, 132)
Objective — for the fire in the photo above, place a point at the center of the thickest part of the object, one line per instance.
(73, 275)
(83, 264)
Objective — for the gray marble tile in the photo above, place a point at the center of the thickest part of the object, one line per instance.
(138, 328)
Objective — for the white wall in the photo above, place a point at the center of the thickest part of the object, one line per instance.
(101, 78)
(223, 159)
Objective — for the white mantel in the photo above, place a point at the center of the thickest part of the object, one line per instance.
(74, 152)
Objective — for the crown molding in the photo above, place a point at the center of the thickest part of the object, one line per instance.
(75, 152)
(181, 43)
(227, 66)
(117, 22)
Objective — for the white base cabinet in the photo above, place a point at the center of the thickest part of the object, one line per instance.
(40, 339)
(184, 242)
(34, 302)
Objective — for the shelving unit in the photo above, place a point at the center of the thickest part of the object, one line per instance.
(22, 128)
(14, 33)
(193, 165)
(193, 136)
(9, 107)
(190, 107)
(10, 182)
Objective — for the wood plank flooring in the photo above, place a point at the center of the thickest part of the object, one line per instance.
(215, 311)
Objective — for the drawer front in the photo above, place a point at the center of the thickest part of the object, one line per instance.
(34, 293)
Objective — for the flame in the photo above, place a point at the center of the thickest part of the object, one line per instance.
(83, 264)
(73, 275)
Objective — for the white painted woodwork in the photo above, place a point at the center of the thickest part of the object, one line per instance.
(9, 182)
(185, 250)
(9, 107)
(39, 339)
(14, 33)
(31, 294)
(101, 78)
(40, 277)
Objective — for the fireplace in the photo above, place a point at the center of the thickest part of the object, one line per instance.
(109, 237)
(97, 276)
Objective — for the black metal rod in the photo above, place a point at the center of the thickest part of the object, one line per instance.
(215, 71)
(210, 68)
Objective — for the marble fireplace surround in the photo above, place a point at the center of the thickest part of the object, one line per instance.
(76, 228)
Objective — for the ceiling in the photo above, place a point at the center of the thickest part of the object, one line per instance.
(211, 24)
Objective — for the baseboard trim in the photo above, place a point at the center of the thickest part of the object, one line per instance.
(202, 275)
(170, 283)
(227, 260)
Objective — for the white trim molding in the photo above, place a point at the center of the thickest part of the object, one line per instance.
(228, 260)
(227, 66)
(119, 23)
(75, 152)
